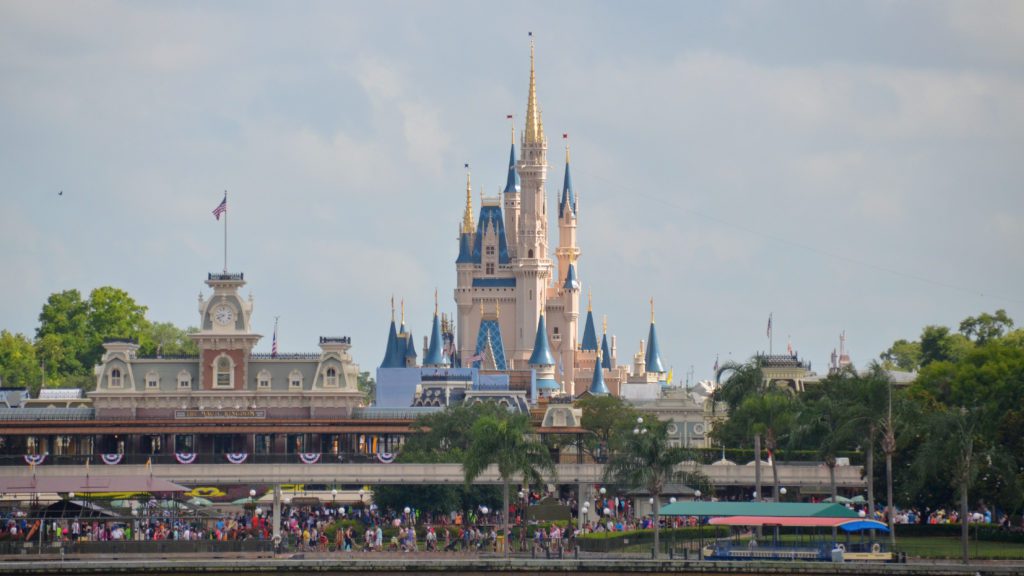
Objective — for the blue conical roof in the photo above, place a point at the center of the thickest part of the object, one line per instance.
(435, 352)
(653, 358)
(512, 183)
(541, 350)
(568, 200)
(392, 357)
(606, 354)
(410, 346)
(597, 385)
(571, 283)
(589, 334)
(465, 249)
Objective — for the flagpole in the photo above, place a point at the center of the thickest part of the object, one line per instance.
(225, 233)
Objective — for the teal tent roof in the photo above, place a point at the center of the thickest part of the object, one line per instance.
(571, 282)
(547, 384)
(589, 334)
(410, 347)
(653, 359)
(568, 201)
(435, 353)
(393, 357)
(776, 509)
(541, 350)
(597, 385)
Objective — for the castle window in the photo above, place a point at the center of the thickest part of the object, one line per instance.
(184, 380)
(332, 378)
(295, 380)
(224, 374)
(490, 250)
(115, 378)
(152, 381)
(489, 268)
(529, 253)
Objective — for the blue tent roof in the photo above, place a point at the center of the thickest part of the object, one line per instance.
(547, 384)
(393, 358)
(653, 358)
(571, 282)
(512, 183)
(490, 216)
(606, 354)
(597, 385)
(541, 350)
(465, 249)
(568, 200)
(410, 347)
(435, 353)
(589, 334)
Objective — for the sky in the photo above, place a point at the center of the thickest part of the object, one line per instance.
(840, 166)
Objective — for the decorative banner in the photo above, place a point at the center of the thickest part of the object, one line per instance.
(309, 457)
(185, 457)
(386, 457)
(237, 457)
(35, 459)
(112, 459)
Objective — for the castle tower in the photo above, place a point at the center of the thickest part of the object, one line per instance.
(511, 196)
(597, 384)
(543, 361)
(652, 360)
(531, 267)
(434, 358)
(568, 253)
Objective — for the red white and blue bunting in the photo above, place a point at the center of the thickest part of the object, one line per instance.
(185, 457)
(386, 457)
(237, 457)
(309, 457)
(35, 459)
(112, 459)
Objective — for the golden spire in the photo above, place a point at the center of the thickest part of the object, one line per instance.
(567, 150)
(481, 309)
(652, 309)
(604, 324)
(403, 310)
(534, 124)
(435, 301)
(467, 218)
(392, 307)
(590, 301)
(512, 124)
(497, 309)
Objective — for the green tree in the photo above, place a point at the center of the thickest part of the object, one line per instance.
(603, 416)
(646, 460)
(508, 442)
(772, 416)
(368, 386)
(938, 344)
(985, 326)
(902, 355)
(166, 339)
(112, 314)
(18, 363)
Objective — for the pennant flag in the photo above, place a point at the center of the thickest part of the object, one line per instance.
(565, 135)
(716, 365)
(221, 208)
(508, 116)
(769, 331)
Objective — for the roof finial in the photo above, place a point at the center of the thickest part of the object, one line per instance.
(403, 310)
(604, 324)
(497, 309)
(392, 307)
(467, 218)
(565, 136)
(435, 301)
(652, 309)
(590, 301)
(534, 127)
(512, 125)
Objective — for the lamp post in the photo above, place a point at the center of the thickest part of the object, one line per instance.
(407, 511)
(782, 491)
(700, 527)
(334, 496)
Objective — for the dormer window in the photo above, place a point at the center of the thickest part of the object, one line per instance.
(332, 378)
(152, 381)
(115, 378)
(295, 380)
(184, 380)
(263, 380)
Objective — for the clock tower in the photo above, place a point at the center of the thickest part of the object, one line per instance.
(225, 337)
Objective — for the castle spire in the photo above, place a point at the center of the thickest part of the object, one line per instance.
(568, 200)
(435, 354)
(467, 217)
(534, 124)
(589, 342)
(652, 359)
(597, 384)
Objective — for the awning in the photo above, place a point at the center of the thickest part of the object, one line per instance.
(84, 484)
(846, 524)
(773, 509)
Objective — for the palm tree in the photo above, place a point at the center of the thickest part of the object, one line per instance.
(770, 415)
(506, 441)
(642, 458)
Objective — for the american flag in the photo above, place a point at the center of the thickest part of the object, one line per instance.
(273, 343)
(221, 208)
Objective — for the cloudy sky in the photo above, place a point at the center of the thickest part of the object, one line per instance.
(847, 166)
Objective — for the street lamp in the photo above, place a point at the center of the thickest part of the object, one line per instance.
(696, 494)
(407, 510)
(252, 496)
(334, 496)
(672, 500)
(782, 491)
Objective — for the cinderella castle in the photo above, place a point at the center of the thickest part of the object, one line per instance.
(518, 309)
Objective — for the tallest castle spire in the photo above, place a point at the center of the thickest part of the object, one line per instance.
(534, 124)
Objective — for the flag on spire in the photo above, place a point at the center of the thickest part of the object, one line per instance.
(508, 116)
(769, 331)
(221, 208)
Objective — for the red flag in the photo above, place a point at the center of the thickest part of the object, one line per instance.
(565, 135)
(508, 116)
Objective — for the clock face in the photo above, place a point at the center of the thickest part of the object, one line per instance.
(223, 314)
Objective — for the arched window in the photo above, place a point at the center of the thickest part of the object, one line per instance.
(263, 380)
(115, 378)
(529, 253)
(332, 377)
(295, 380)
(224, 373)
(184, 380)
(152, 381)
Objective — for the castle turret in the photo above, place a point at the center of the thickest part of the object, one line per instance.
(606, 353)
(597, 384)
(511, 195)
(543, 362)
(434, 357)
(393, 356)
(652, 361)
(589, 342)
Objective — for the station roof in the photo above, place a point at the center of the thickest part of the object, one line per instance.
(764, 509)
(847, 524)
(86, 483)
